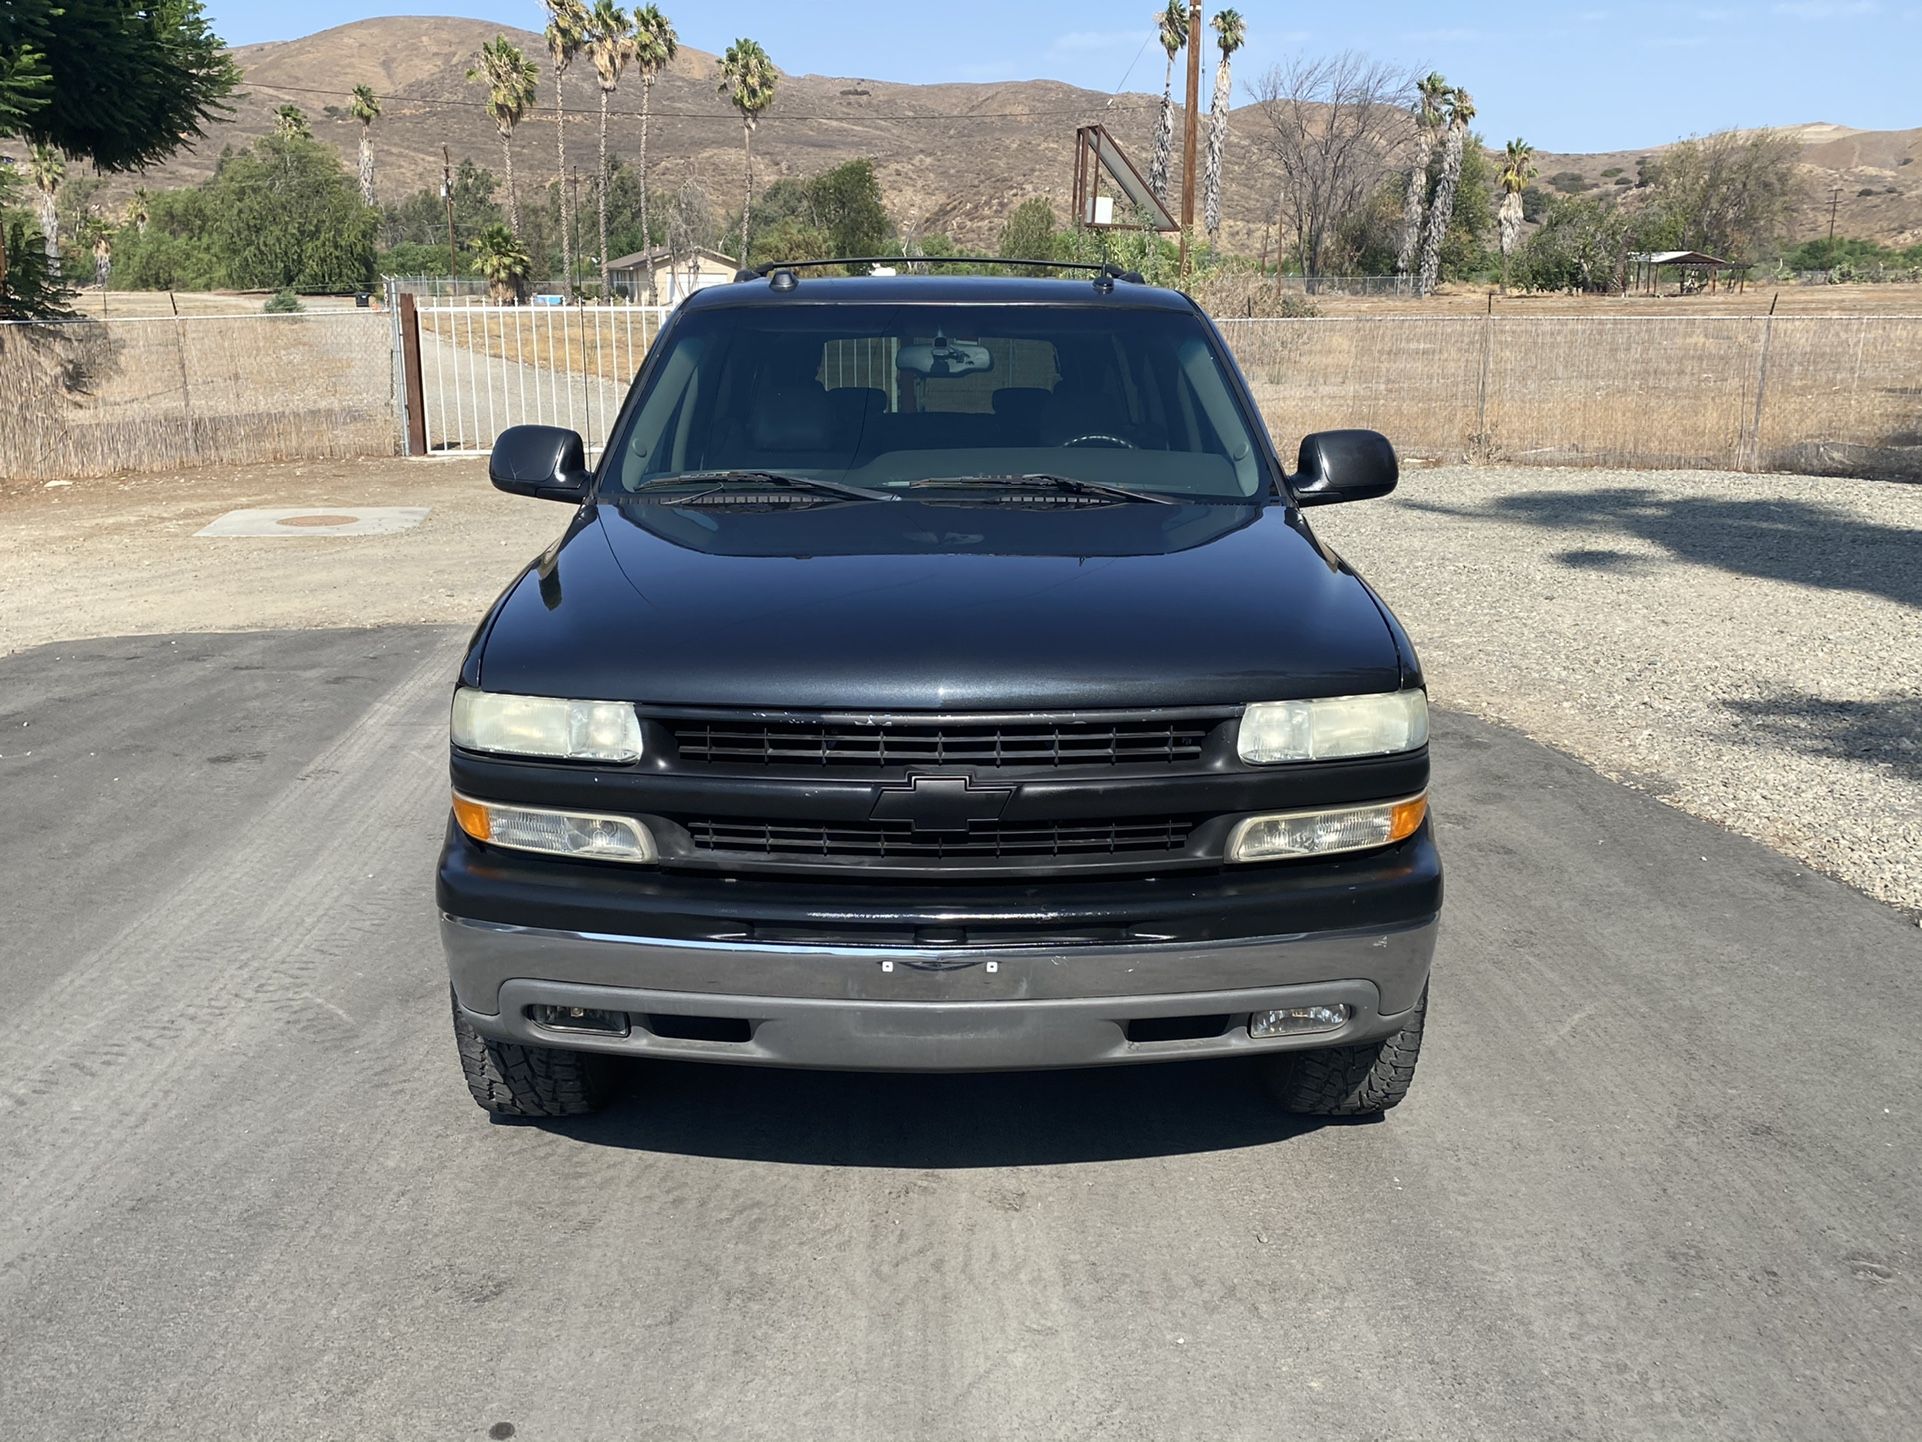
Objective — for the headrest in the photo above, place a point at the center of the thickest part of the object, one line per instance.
(791, 418)
(1021, 402)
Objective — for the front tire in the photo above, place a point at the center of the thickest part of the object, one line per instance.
(1363, 1080)
(510, 1079)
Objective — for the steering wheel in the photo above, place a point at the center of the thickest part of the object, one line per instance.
(1104, 439)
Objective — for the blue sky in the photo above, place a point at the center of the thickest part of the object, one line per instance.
(1605, 74)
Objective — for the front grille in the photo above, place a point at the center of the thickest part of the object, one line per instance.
(949, 742)
(983, 841)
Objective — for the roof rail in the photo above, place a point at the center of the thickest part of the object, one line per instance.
(1106, 272)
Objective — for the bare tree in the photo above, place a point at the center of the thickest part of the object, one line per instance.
(1335, 129)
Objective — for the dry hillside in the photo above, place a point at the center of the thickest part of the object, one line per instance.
(951, 157)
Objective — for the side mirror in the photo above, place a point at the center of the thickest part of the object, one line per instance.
(545, 462)
(1344, 466)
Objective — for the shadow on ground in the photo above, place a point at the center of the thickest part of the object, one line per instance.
(923, 1121)
(1768, 539)
(1886, 731)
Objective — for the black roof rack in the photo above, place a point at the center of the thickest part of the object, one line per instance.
(1106, 272)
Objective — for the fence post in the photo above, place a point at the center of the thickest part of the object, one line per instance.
(186, 393)
(414, 401)
(1480, 447)
(1754, 457)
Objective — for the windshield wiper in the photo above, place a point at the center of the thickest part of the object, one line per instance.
(716, 481)
(1043, 481)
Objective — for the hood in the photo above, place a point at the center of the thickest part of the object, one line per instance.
(938, 605)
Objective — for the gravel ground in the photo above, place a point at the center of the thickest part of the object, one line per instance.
(1744, 647)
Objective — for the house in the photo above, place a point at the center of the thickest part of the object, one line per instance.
(675, 277)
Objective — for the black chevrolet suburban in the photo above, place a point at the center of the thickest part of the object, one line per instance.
(939, 673)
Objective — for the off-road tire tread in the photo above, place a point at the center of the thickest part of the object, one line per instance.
(512, 1080)
(1350, 1081)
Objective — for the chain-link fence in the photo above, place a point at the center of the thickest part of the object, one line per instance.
(93, 397)
(1821, 394)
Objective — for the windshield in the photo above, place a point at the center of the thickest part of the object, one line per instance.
(883, 396)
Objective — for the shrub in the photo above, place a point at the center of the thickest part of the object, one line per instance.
(283, 303)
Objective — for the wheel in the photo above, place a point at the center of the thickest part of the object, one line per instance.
(513, 1080)
(1348, 1081)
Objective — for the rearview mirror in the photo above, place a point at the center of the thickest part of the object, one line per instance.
(1344, 466)
(545, 462)
(945, 359)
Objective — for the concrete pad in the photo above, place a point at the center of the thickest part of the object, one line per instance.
(317, 521)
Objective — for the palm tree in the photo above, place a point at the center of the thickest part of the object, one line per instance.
(94, 233)
(1231, 32)
(655, 44)
(1430, 96)
(510, 78)
(1172, 24)
(1461, 110)
(748, 79)
(610, 45)
(502, 259)
(46, 168)
(140, 209)
(565, 34)
(290, 123)
(365, 107)
(1518, 168)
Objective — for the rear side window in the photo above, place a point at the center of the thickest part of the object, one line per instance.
(881, 396)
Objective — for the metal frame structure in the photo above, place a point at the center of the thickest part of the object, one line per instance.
(1096, 151)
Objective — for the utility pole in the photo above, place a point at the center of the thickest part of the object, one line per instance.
(1188, 129)
(447, 195)
(1835, 196)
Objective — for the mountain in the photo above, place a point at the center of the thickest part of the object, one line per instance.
(953, 158)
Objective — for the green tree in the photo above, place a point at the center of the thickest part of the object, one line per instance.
(285, 215)
(1431, 97)
(365, 107)
(290, 121)
(173, 250)
(1733, 194)
(1518, 168)
(655, 45)
(1441, 210)
(1581, 245)
(1231, 33)
(119, 84)
(565, 34)
(845, 202)
(610, 46)
(503, 260)
(509, 78)
(748, 79)
(1171, 26)
(1030, 235)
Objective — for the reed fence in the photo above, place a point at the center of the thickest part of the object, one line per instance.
(1815, 394)
(92, 397)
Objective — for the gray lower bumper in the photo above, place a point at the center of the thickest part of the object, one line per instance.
(932, 1009)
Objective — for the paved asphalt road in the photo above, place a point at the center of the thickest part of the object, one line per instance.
(1661, 1175)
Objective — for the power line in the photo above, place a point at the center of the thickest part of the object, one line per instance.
(1105, 108)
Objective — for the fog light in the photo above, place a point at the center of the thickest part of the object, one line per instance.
(1298, 1020)
(579, 1018)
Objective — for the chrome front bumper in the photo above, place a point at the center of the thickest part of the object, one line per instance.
(932, 1008)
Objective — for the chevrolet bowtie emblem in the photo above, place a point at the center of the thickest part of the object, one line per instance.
(940, 803)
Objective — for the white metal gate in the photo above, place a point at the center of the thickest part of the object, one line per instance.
(486, 367)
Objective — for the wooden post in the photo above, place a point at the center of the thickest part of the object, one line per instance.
(1189, 126)
(410, 376)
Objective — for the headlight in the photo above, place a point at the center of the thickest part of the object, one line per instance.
(588, 836)
(1325, 833)
(1332, 727)
(546, 726)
